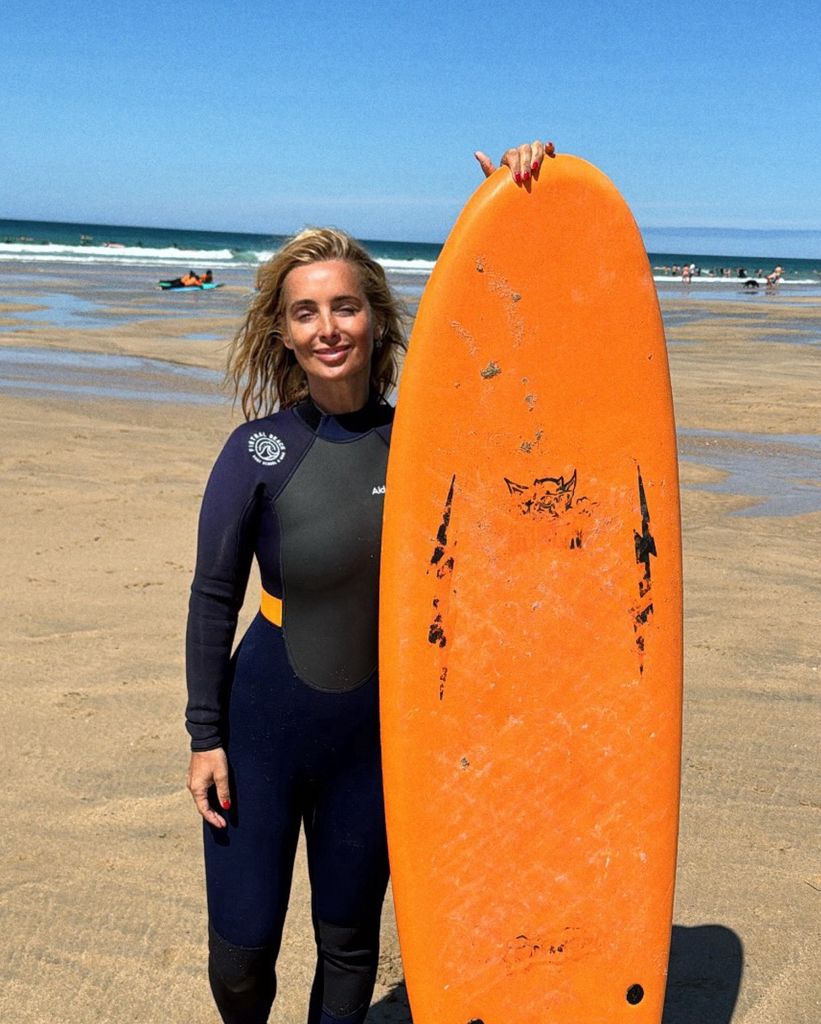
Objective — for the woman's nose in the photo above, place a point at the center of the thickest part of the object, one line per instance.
(327, 324)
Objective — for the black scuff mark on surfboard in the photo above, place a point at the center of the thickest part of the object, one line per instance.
(644, 541)
(491, 370)
(645, 549)
(546, 496)
(442, 565)
(523, 949)
(436, 633)
(553, 500)
(442, 532)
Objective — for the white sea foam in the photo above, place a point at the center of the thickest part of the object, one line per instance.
(395, 266)
(407, 266)
(31, 252)
(50, 252)
(705, 279)
(183, 259)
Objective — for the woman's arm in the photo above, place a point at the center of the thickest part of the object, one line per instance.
(225, 548)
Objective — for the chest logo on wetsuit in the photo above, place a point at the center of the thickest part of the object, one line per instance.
(267, 449)
(378, 490)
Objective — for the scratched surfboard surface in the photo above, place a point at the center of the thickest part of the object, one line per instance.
(530, 642)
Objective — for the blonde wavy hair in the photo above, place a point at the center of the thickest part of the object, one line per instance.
(263, 372)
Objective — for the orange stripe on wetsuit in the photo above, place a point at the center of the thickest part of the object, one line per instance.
(271, 607)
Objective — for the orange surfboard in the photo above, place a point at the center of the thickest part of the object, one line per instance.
(531, 655)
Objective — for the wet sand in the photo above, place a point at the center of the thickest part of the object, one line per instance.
(103, 467)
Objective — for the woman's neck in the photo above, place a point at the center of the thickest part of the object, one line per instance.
(340, 397)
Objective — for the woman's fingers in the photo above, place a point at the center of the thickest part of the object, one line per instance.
(199, 791)
(511, 159)
(487, 165)
(221, 782)
(524, 161)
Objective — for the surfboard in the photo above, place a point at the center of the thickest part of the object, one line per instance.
(167, 286)
(530, 621)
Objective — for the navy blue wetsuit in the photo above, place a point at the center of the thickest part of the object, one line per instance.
(296, 708)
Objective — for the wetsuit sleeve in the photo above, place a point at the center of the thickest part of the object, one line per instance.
(225, 549)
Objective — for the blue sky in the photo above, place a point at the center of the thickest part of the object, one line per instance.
(267, 116)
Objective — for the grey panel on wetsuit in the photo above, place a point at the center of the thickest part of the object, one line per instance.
(330, 515)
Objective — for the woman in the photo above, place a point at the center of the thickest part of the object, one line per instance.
(287, 732)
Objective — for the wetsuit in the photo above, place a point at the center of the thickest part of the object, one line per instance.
(297, 706)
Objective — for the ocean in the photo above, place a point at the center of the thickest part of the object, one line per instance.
(713, 251)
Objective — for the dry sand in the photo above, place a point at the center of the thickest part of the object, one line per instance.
(103, 908)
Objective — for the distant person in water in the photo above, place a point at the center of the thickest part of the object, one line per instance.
(190, 280)
(775, 276)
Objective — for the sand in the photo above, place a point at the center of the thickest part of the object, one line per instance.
(103, 908)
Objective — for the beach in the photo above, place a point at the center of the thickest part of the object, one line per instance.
(112, 415)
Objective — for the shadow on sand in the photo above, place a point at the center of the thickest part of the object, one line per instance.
(703, 981)
(704, 978)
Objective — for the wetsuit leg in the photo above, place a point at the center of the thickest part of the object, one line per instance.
(297, 754)
(348, 864)
(243, 981)
(249, 864)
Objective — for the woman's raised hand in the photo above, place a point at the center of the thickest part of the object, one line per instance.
(524, 161)
(209, 768)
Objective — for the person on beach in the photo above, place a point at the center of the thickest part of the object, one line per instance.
(286, 732)
(775, 276)
(189, 280)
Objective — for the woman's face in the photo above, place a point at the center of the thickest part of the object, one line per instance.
(330, 329)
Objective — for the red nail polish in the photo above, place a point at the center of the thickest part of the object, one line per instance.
(226, 805)
(527, 175)
(518, 179)
(535, 166)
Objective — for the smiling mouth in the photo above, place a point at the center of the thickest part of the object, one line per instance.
(332, 355)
